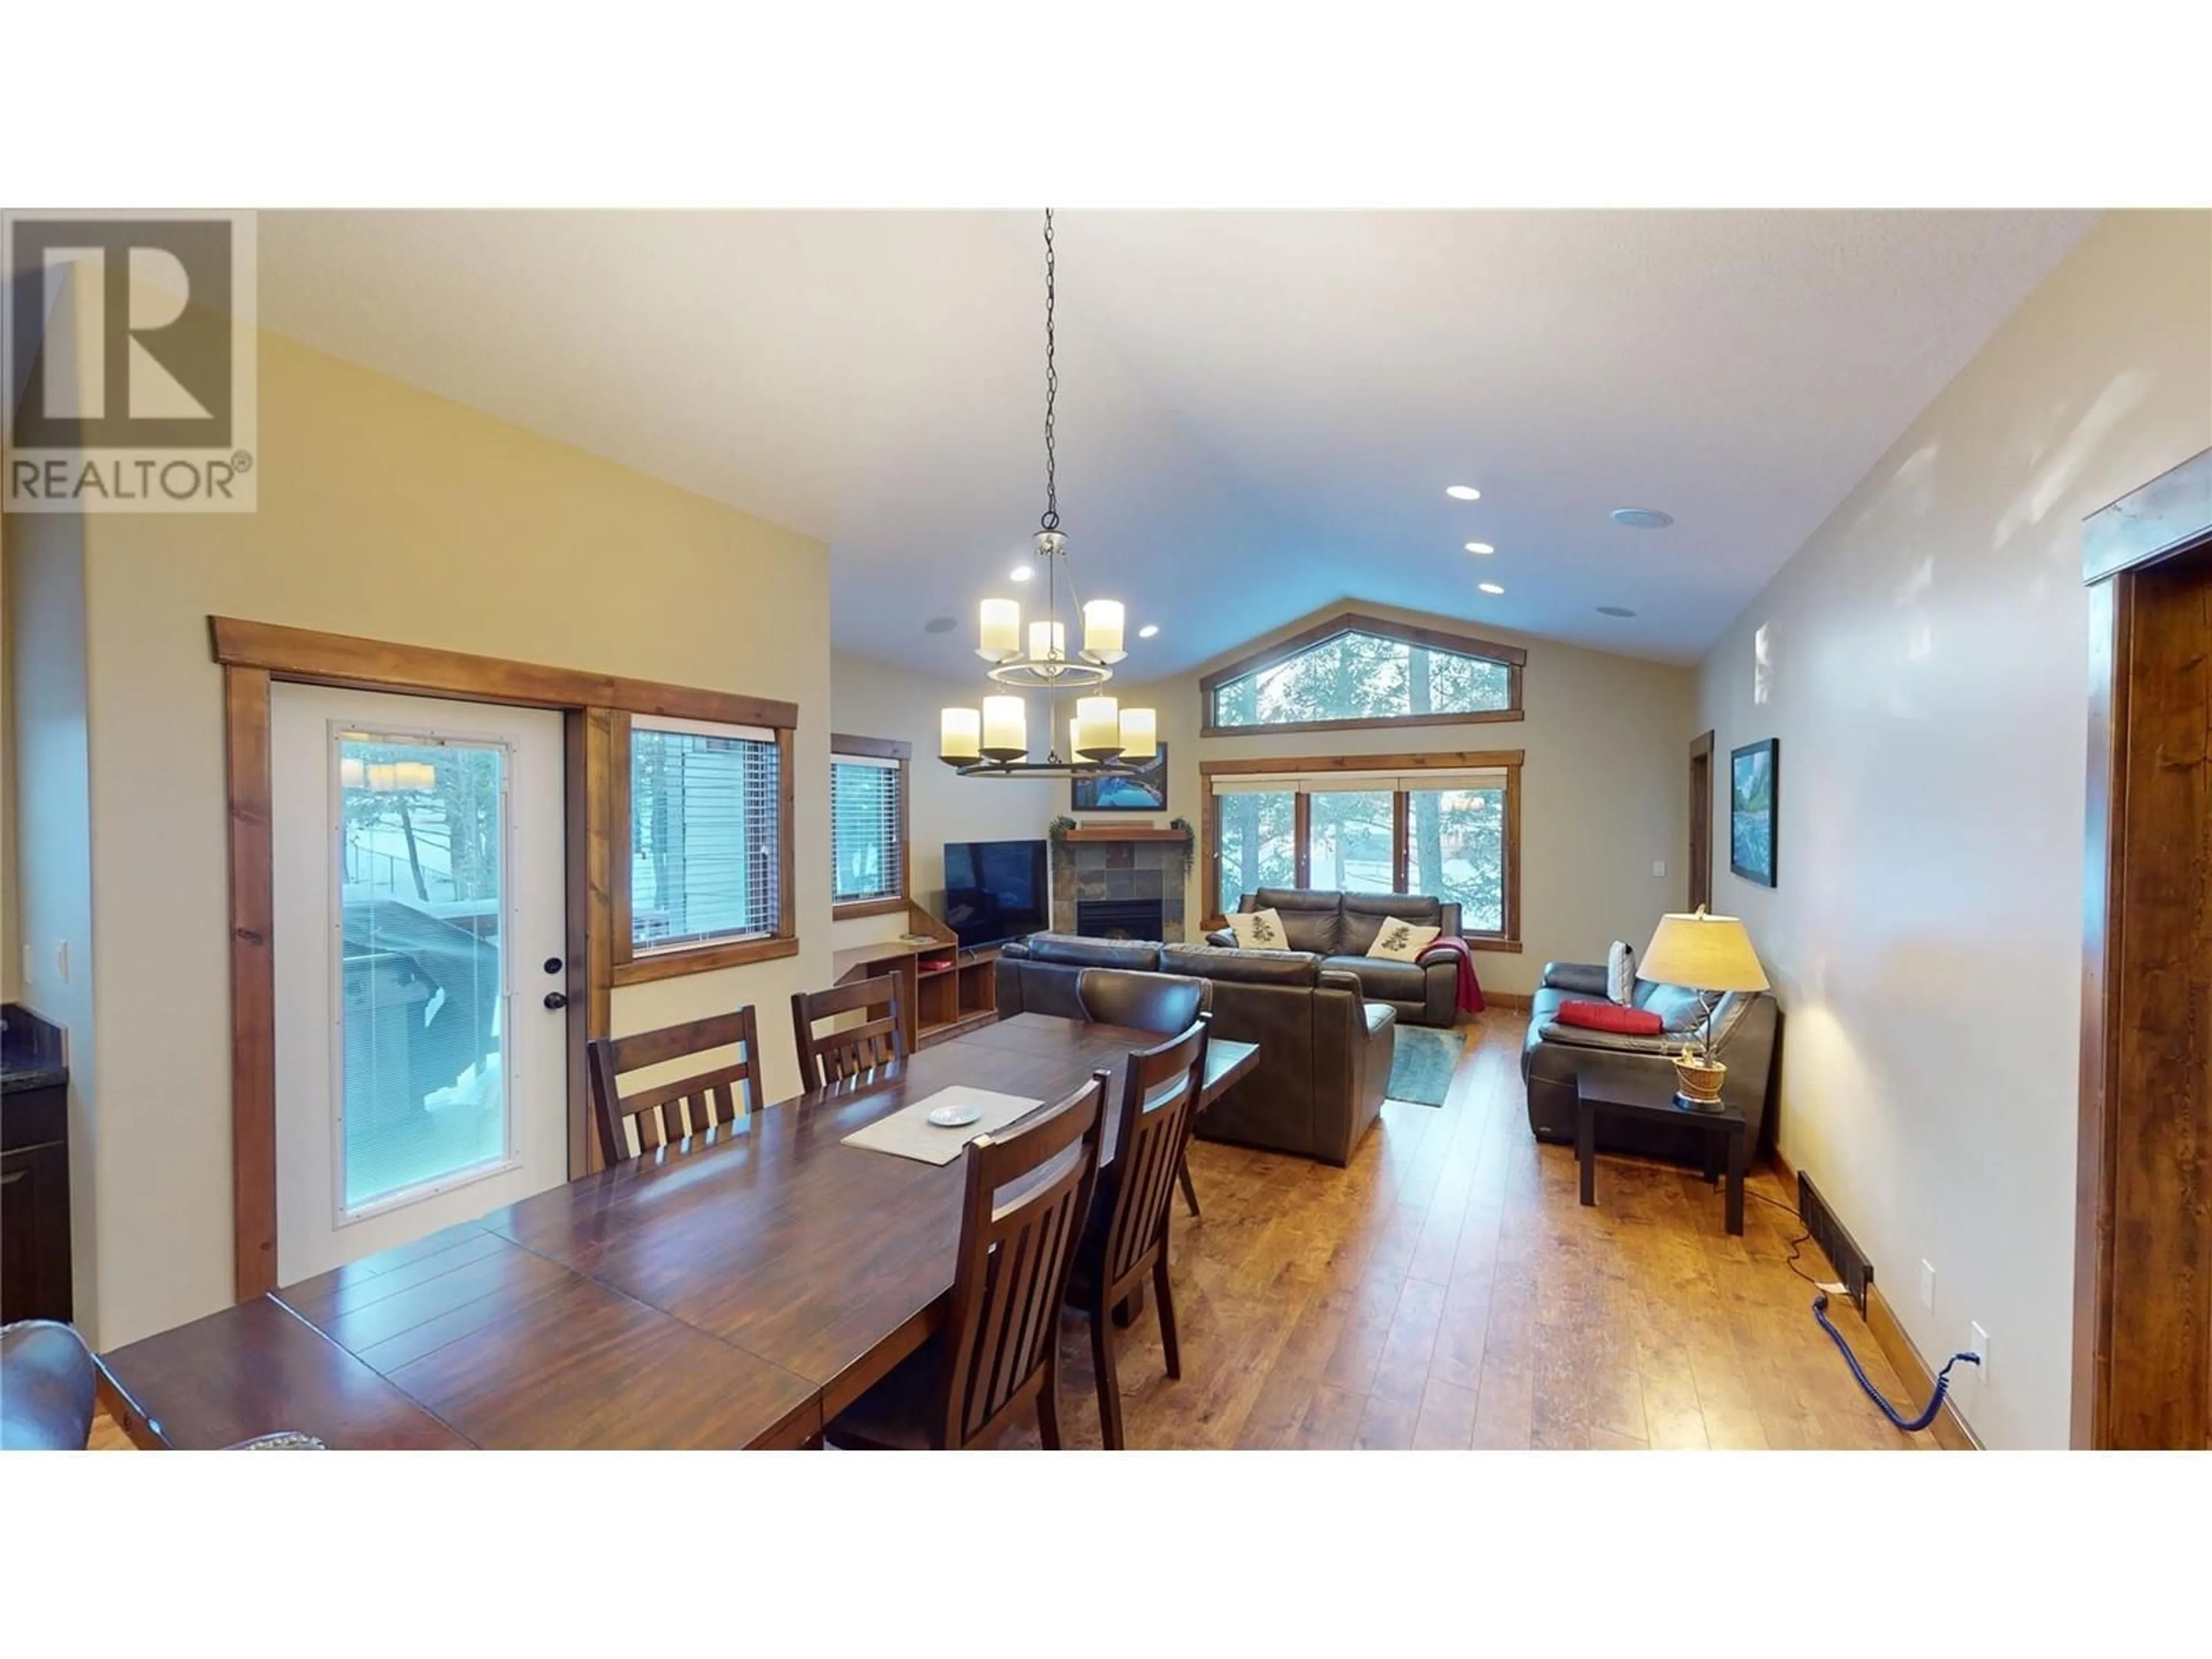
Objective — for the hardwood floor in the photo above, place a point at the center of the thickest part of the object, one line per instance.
(1449, 1291)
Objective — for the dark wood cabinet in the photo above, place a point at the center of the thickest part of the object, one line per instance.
(35, 1203)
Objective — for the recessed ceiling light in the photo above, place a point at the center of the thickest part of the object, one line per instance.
(1020, 572)
(1642, 518)
(1615, 611)
(1148, 630)
(1490, 587)
(1463, 492)
(940, 625)
(1480, 547)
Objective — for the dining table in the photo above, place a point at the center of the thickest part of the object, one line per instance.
(737, 1289)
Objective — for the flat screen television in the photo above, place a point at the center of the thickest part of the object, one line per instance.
(995, 891)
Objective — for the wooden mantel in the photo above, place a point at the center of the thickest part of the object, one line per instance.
(1096, 832)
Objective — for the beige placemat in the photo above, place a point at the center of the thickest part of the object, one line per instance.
(908, 1132)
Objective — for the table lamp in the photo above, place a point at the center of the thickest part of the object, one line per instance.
(1709, 954)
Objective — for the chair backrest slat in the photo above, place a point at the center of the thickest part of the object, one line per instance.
(842, 1055)
(663, 1114)
(1014, 1260)
(1160, 1090)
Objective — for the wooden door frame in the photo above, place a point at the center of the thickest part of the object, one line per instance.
(2169, 518)
(1701, 820)
(255, 657)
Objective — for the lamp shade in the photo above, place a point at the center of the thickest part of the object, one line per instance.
(1101, 630)
(1702, 953)
(1005, 730)
(959, 734)
(1001, 631)
(1097, 727)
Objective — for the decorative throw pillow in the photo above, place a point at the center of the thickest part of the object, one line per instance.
(1621, 974)
(1402, 941)
(1607, 1017)
(1257, 930)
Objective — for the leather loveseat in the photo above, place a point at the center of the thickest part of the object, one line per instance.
(1325, 1050)
(1747, 1035)
(1339, 927)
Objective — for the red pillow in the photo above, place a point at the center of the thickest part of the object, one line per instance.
(1611, 1017)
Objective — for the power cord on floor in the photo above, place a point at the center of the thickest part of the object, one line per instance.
(1934, 1400)
(1796, 1244)
(1821, 1313)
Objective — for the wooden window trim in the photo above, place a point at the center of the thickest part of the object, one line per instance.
(1506, 941)
(631, 966)
(899, 750)
(256, 656)
(1512, 657)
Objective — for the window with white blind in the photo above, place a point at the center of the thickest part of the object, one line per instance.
(867, 824)
(706, 835)
(1449, 829)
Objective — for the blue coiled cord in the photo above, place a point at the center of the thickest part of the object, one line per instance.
(1934, 1400)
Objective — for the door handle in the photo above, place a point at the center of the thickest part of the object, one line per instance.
(555, 1000)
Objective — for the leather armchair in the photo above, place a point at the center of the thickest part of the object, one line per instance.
(1167, 1003)
(1340, 926)
(1039, 975)
(1747, 1035)
(1325, 1047)
(1325, 1050)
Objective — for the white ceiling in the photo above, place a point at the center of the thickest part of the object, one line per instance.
(1259, 412)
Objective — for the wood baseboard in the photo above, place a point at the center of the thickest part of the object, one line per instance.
(1508, 999)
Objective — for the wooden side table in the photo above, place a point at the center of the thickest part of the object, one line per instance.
(1609, 1089)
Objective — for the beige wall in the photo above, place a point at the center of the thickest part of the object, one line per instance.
(1928, 650)
(1604, 789)
(872, 699)
(388, 512)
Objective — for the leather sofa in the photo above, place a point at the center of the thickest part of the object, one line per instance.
(1746, 1036)
(1325, 1050)
(1339, 927)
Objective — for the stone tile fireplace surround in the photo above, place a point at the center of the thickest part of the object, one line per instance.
(1096, 869)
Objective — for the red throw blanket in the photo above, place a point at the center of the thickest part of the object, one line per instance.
(1470, 989)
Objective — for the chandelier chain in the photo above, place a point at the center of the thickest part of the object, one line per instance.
(1051, 519)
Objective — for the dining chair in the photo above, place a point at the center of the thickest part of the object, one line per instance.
(1127, 1238)
(836, 1056)
(658, 1115)
(50, 1390)
(1149, 1002)
(1028, 1195)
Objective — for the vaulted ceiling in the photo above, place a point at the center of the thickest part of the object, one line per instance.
(1259, 412)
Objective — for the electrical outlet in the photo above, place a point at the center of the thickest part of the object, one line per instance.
(1978, 1342)
(1928, 1285)
(1658, 866)
(61, 960)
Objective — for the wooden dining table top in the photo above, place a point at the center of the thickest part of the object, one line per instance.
(738, 1289)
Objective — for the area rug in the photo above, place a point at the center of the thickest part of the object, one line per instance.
(1421, 1070)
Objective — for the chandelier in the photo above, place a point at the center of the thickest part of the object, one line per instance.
(1103, 738)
